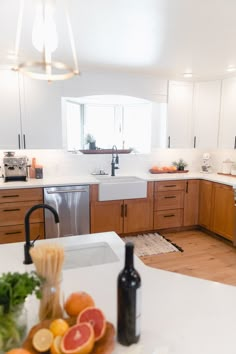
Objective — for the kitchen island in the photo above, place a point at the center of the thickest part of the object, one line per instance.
(180, 314)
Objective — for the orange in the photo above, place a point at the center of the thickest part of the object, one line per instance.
(56, 345)
(79, 339)
(96, 318)
(18, 351)
(58, 327)
(42, 340)
(77, 302)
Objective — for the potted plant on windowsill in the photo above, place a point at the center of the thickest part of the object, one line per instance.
(91, 141)
(180, 165)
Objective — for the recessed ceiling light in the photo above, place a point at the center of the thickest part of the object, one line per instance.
(231, 68)
(188, 75)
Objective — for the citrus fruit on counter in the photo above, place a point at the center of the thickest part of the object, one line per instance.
(18, 351)
(56, 345)
(79, 339)
(96, 318)
(77, 302)
(42, 340)
(58, 327)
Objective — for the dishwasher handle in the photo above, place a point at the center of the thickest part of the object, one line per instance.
(64, 191)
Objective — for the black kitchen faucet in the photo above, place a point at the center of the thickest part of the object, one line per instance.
(114, 160)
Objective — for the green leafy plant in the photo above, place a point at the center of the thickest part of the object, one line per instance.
(14, 288)
(89, 139)
(181, 164)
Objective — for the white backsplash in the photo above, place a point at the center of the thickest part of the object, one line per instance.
(61, 163)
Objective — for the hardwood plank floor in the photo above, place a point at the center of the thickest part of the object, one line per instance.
(204, 257)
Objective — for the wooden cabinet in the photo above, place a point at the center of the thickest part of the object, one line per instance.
(223, 219)
(14, 204)
(205, 203)
(121, 216)
(216, 208)
(191, 198)
(168, 204)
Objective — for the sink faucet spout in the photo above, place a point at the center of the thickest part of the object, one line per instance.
(28, 244)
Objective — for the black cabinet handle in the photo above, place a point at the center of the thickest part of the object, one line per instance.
(122, 211)
(194, 142)
(170, 185)
(11, 196)
(170, 197)
(13, 233)
(186, 187)
(169, 141)
(24, 141)
(7, 210)
(19, 141)
(125, 210)
(169, 215)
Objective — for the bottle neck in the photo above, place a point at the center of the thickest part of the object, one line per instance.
(129, 255)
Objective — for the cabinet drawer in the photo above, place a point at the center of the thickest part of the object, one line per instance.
(14, 213)
(169, 186)
(16, 233)
(24, 194)
(168, 218)
(169, 200)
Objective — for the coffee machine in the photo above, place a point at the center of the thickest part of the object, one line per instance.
(206, 163)
(15, 168)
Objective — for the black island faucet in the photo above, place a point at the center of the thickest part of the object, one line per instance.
(114, 160)
(28, 244)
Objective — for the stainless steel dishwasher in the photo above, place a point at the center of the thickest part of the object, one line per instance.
(72, 205)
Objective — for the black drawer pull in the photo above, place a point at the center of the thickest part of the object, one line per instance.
(170, 197)
(170, 185)
(11, 196)
(13, 233)
(122, 211)
(125, 210)
(6, 210)
(169, 215)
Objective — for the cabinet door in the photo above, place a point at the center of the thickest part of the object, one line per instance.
(206, 114)
(138, 213)
(9, 110)
(223, 210)
(205, 203)
(227, 132)
(191, 202)
(107, 216)
(179, 114)
(41, 114)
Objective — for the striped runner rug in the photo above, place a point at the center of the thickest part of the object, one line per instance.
(150, 244)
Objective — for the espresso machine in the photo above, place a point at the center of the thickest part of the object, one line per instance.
(15, 168)
(206, 163)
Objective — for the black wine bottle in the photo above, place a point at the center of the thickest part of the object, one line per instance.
(128, 300)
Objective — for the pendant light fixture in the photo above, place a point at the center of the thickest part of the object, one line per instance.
(44, 41)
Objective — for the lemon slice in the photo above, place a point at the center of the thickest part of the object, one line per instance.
(42, 340)
(56, 345)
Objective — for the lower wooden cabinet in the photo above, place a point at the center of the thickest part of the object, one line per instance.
(205, 203)
(191, 201)
(14, 204)
(121, 216)
(216, 208)
(223, 220)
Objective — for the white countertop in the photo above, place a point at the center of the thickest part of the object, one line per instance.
(91, 179)
(180, 314)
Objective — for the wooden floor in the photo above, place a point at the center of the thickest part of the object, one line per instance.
(204, 257)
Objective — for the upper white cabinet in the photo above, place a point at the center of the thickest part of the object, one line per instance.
(179, 114)
(206, 114)
(10, 132)
(227, 136)
(41, 114)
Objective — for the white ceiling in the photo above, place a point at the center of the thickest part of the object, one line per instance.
(160, 37)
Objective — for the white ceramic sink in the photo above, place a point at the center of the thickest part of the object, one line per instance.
(89, 255)
(121, 187)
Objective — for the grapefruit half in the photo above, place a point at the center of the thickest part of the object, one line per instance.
(79, 339)
(96, 318)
